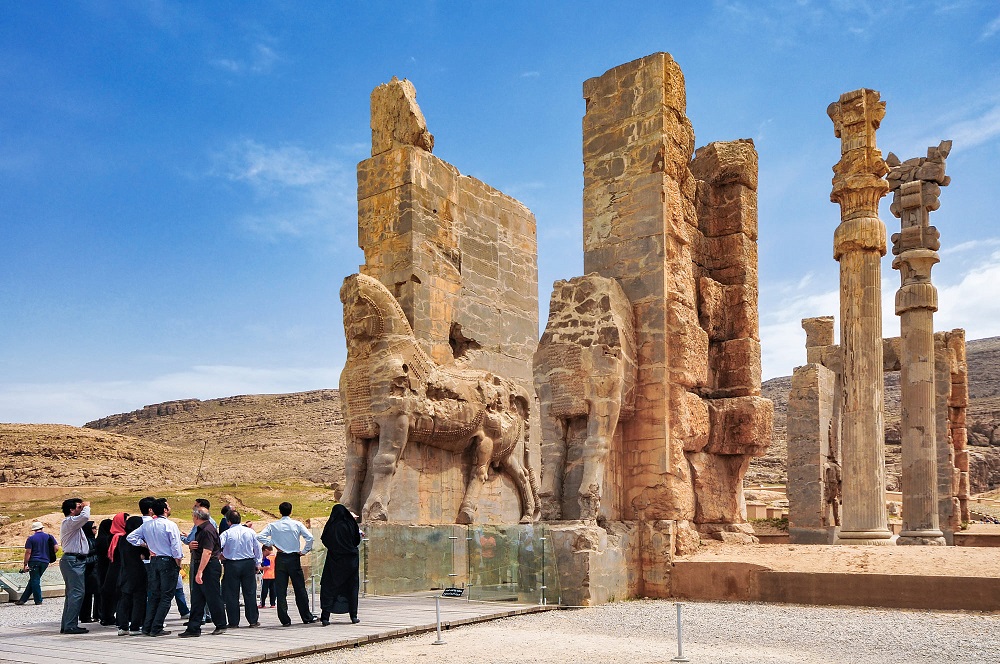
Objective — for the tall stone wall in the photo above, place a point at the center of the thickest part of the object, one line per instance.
(460, 257)
(680, 238)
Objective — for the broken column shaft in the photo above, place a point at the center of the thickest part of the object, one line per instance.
(859, 244)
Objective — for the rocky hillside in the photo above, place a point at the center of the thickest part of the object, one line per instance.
(61, 455)
(983, 418)
(255, 438)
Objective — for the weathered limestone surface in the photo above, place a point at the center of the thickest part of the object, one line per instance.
(459, 257)
(395, 396)
(859, 244)
(916, 184)
(585, 375)
(810, 457)
(679, 236)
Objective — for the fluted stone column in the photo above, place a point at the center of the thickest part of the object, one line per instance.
(916, 185)
(859, 244)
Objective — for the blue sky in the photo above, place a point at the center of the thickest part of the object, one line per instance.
(177, 180)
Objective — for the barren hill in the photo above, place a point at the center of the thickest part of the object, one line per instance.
(57, 454)
(983, 419)
(257, 438)
(263, 438)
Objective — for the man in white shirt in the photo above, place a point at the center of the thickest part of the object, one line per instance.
(285, 535)
(241, 558)
(73, 564)
(163, 539)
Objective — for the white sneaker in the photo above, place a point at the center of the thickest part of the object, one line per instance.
(122, 632)
(137, 632)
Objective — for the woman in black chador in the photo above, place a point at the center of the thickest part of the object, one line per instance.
(341, 538)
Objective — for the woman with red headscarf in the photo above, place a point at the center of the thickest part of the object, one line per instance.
(109, 587)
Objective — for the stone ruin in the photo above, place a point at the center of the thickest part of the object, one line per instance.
(835, 410)
(640, 405)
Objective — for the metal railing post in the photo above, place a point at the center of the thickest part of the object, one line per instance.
(437, 612)
(680, 637)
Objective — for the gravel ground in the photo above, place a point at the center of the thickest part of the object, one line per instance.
(644, 631)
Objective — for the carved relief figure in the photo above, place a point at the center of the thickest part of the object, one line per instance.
(394, 393)
(585, 376)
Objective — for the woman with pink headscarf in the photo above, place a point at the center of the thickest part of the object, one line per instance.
(109, 588)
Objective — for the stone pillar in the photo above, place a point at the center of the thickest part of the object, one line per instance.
(859, 244)
(916, 185)
(811, 501)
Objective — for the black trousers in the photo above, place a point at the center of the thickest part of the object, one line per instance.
(288, 566)
(207, 593)
(241, 575)
(162, 575)
(131, 610)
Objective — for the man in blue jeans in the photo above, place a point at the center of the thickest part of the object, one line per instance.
(36, 559)
(73, 564)
(163, 539)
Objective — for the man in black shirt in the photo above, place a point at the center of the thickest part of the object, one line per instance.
(206, 573)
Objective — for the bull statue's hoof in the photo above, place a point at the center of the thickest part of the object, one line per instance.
(376, 512)
(465, 516)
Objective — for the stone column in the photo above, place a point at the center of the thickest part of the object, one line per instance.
(916, 185)
(859, 244)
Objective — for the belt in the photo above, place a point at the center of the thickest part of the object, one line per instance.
(76, 555)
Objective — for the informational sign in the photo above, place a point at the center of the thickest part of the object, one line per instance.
(453, 592)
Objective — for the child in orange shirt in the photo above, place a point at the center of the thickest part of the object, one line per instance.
(267, 581)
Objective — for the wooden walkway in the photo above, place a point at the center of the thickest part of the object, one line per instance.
(381, 618)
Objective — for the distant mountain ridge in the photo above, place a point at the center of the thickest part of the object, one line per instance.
(264, 438)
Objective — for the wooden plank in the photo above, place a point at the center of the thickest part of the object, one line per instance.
(382, 618)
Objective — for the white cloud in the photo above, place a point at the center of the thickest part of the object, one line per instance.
(977, 130)
(298, 193)
(967, 301)
(260, 59)
(991, 28)
(84, 401)
(531, 74)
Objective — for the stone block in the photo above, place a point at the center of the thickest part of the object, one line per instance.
(596, 565)
(687, 345)
(959, 438)
(740, 425)
(688, 417)
(396, 119)
(727, 162)
(962, 461)
(718, 487)
(731, 259)
(727, 312)
(819, 331)
(656, 555)
(734, 368)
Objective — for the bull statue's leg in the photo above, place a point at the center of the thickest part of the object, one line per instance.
(355, 468)
(604, 398)
(393, 431)
(514, 467)
(477, 478)
(553, 462)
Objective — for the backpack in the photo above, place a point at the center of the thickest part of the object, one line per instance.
(52, 549)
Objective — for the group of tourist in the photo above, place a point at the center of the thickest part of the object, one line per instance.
(127, 572)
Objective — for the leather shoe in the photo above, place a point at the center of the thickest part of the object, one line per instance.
(19, 603)
(325, 623)
(287, 624)
(355, 620)
(186, 634)
(74, 630)
(256, 624)
(311, 620)
(162, 632)
(218, 630)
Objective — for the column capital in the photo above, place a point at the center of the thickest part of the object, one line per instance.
(859, 234)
